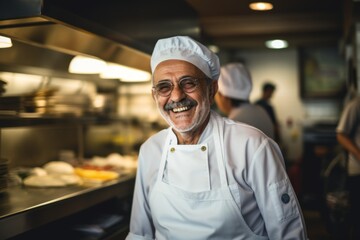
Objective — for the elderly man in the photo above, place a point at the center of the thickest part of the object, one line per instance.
(207, 177)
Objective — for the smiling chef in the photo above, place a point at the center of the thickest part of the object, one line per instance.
(207, 177)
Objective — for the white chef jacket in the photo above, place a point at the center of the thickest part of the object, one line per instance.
(256, 177)
(254, 115)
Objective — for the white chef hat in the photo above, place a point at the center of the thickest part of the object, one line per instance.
(186, 49)
(235, 81)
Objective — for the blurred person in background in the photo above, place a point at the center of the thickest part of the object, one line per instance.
(348, 136)
(268, 90)
(206, 176)
(232, 99)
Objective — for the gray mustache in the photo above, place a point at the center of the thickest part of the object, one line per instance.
(183, 103)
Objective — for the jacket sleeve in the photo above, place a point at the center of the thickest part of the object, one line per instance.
(275, 196)
(141, 225)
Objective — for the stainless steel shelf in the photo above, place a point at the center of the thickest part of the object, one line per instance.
(37, 120)
(24, 208)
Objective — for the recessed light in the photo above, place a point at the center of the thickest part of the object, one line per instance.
(261, 6)
(276, 44)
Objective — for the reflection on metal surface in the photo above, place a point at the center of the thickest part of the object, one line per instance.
(66, 40)
(115, 31)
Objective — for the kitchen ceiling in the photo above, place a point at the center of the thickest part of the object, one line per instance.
(113, 29)
(230, 24)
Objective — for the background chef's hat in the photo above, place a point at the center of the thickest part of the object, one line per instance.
(186, 49)
(235, 81)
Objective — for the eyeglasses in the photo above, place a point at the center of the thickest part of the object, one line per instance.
(187, 84)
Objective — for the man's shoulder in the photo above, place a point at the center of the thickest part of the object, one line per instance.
(157, 139)
(242, 136)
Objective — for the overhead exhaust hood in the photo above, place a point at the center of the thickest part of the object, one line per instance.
(116, 31)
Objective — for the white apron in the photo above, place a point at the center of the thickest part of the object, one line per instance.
(186, 207)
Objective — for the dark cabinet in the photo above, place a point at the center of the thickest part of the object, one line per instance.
(320, 147)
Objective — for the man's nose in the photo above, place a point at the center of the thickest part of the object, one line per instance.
(177, 93)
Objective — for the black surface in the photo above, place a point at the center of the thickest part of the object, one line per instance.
(320, 145)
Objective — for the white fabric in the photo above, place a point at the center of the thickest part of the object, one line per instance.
(187, 167)
(255, 175)
(186, 49)
(186, 219)
(235, 81)
(349, 124)
(254, 115)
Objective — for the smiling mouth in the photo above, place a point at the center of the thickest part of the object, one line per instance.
(181, 109)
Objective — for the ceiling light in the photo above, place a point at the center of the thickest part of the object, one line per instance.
(214, 48)
(5, 42)
(124, 73)
(261, 6)
(86, 65)
(276, 44)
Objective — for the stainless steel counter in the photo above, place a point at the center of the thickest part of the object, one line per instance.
(24, 208)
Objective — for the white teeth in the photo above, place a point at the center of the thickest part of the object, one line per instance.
(180, 109)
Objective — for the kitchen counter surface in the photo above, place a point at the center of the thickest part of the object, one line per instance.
(24, 208)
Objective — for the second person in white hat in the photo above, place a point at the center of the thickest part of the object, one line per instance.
(232, 99)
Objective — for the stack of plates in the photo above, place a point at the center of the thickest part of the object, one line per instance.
(4, 170)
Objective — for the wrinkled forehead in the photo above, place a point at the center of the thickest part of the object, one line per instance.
(177, 69)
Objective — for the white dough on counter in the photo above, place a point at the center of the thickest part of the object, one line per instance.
(70, 179)
(52, 180)
(115, 160)
(38, 171)
(58, 167)
(44, 181)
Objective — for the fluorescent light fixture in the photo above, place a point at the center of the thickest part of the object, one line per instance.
(261, 6)
(86, 65)
(5, 42)
(92, 65)
(124, 73)
(276, 44)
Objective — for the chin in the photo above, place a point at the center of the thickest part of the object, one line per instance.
(186, 129)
